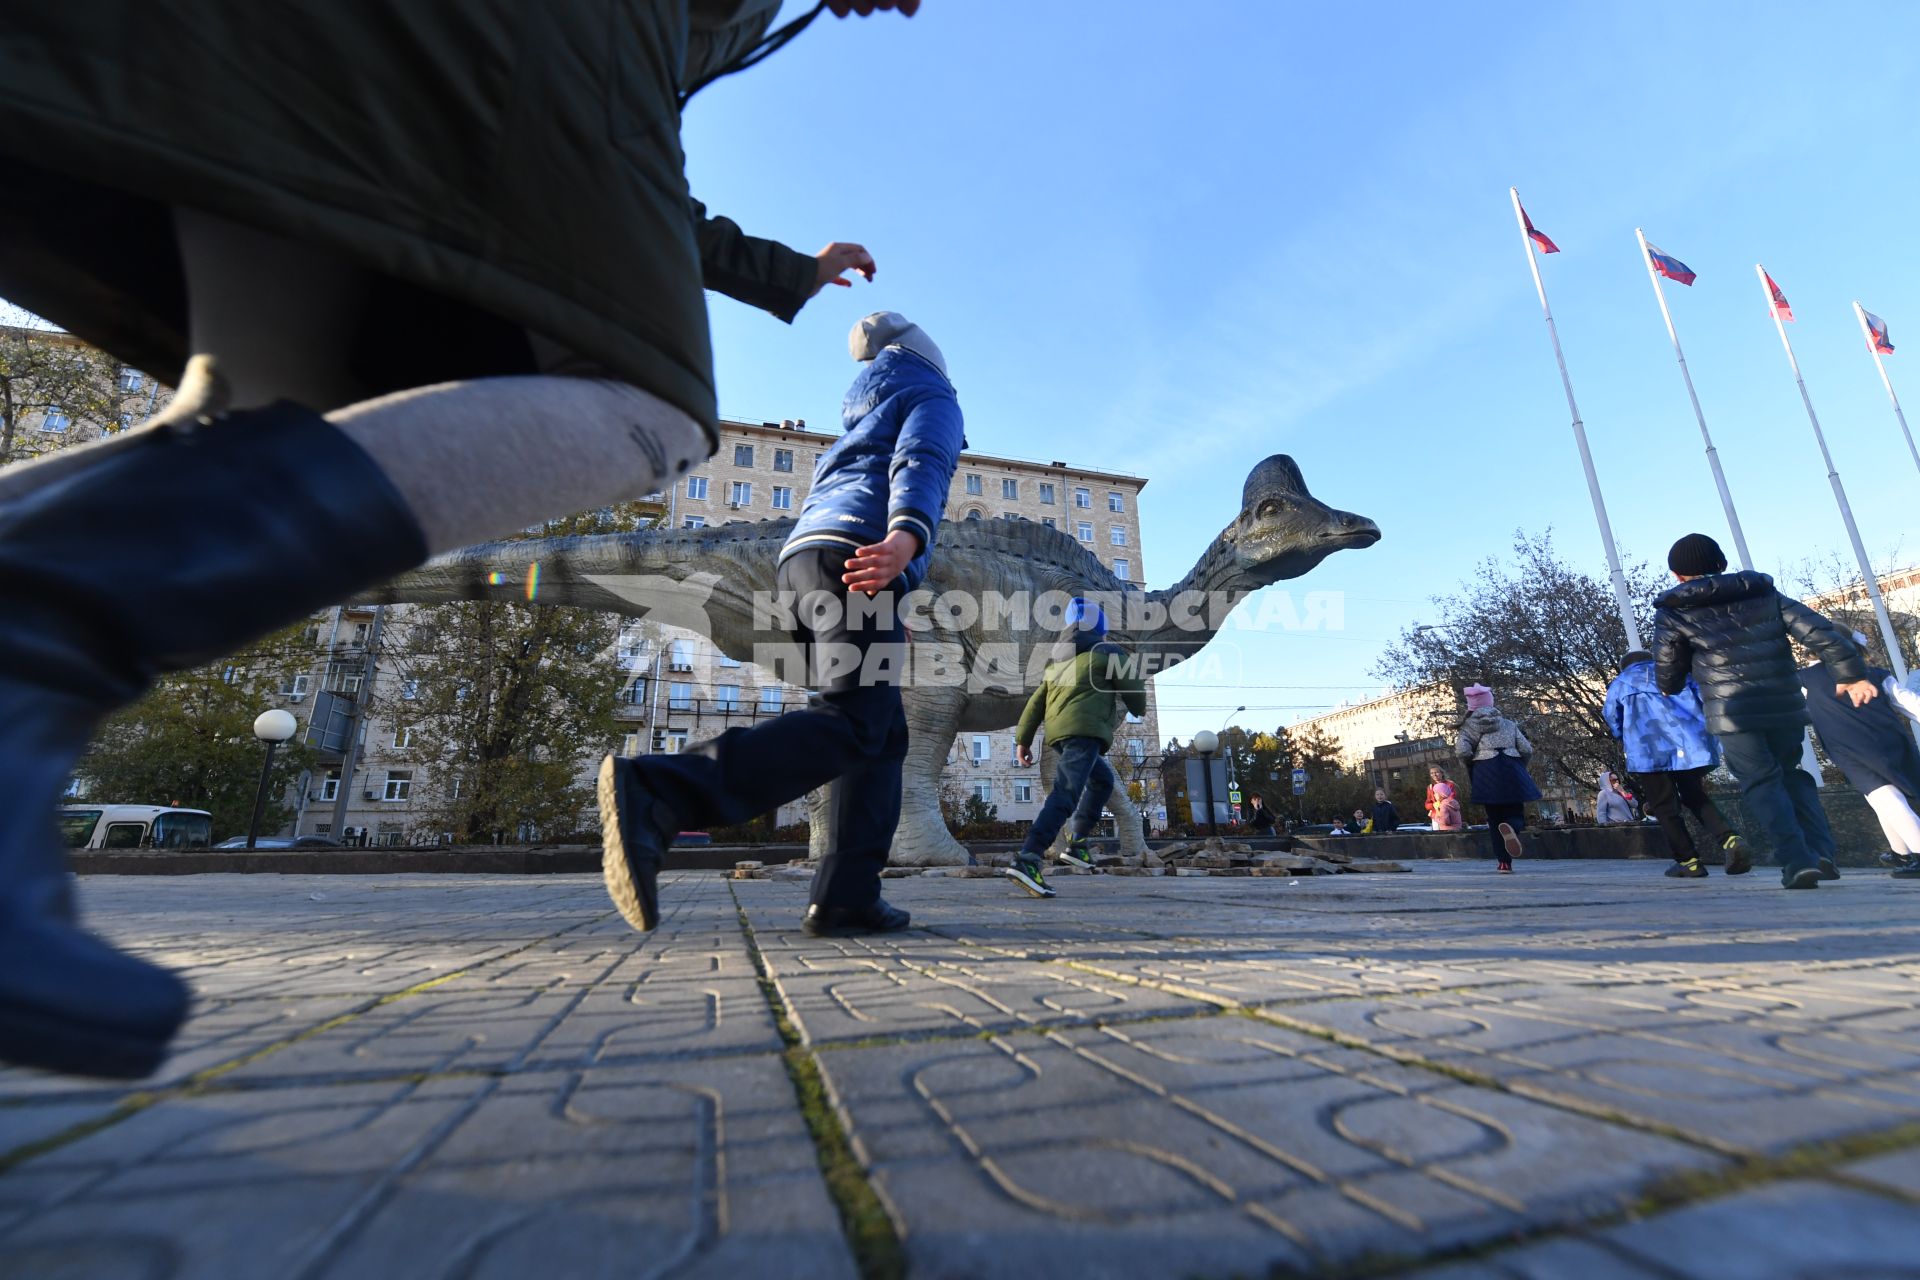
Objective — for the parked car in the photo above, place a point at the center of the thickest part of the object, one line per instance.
(281, 842)
(693, 838)
(134, 826)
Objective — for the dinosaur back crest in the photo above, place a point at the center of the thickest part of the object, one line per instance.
(1278, 474)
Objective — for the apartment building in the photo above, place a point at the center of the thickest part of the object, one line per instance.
(677, 688)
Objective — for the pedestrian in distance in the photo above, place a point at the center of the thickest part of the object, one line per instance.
(1873, 746)
(432, 280)
(1443, 800)
(1612, 805)
(1086, 680)
(1669, 755)
(1260, 820)
(1495, 752)
(1386, 818)
(1361, 825)
(864, 539)
(1339, 827)
(1734, 634)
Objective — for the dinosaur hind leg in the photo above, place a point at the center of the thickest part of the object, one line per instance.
(922, 839)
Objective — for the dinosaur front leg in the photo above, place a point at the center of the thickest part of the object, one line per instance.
(820, 821)
(922, 839)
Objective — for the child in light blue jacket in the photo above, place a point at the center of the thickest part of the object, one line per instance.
(1669, 754)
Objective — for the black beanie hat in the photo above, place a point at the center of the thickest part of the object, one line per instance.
(1696, 555)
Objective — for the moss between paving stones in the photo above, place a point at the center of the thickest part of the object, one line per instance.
(869, 1230)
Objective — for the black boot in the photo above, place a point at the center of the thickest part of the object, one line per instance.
(153, 556)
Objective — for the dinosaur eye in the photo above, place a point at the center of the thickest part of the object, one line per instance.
(1268, 509)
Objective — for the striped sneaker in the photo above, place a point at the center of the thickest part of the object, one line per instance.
(1077, 854)
(1027, 874)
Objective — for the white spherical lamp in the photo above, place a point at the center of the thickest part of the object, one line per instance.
(274, 726)
(1206, 742)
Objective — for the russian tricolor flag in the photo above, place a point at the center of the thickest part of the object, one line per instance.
(1670, 267)
(1878, 328)
(1779, 299)
(1536, 235)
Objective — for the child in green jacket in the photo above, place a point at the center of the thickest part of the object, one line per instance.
(1076, 699)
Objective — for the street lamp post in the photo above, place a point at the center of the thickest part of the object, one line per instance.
(273, 728)
(1206, 742)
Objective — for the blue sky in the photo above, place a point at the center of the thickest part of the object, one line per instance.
(1172, 239)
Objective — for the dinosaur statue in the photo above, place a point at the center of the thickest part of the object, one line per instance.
(706, 580)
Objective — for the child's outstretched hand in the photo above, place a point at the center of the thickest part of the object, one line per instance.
(1859, 692)
(840, 257)
(873, 568)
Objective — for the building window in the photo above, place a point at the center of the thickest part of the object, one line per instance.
(669, 741)
(680, 656)
(297, 689)
(740, 493)
(974, 514)
(694, 522)
(1123, 570)
(770, 699)
(453, 791)
(782, 498)
(1086, 531)
(635, 694)
(743, 455)
(1136, 751)
(727, 696)
(330, 786)
(721, 659)
(399, 784)
(630, 745)
(974, 485)
(1083, 497)
(982, 749)
(131, 380)
(1023, 791)
(633, 646)
(1009, 515)
(696, 486)
(1046, 493)
(679, 696)
(54, 420)
(402, 738)
(1009, 487)
(1117, 535)
(983, 792)
(1048, 521)
(783, 459)
(1115, 502)
(409, 689)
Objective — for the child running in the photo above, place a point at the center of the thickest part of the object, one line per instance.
(1076, 698)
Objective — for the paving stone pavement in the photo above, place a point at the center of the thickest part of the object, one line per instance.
(1583, 1070)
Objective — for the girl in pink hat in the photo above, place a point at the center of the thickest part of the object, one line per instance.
(1495, 752)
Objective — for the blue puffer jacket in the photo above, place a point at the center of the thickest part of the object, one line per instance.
(892, 468)
(1661, 733)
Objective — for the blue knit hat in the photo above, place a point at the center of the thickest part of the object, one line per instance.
(1085, 615)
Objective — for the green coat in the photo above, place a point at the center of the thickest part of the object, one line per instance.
(1070, 704)
(502, 165)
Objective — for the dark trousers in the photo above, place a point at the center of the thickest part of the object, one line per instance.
(1663, 793)
(855, 732)
(1514, 815)
(1784, 803)
(1082, 781)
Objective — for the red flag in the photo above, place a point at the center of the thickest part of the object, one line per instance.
(1878, 329)
(1537, 236)
(1780, 307)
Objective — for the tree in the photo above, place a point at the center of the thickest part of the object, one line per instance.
(511, 703)
(190, 740)
(56, 391)
(1546, 637)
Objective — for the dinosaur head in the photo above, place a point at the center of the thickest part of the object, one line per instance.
(1283, 531)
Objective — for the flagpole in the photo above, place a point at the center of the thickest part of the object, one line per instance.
(1873, 349)
(1621, 596)
(1713, 455)
(1839, 493)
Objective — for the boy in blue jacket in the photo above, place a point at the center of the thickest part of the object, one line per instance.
(1669, 754)
(866, 527)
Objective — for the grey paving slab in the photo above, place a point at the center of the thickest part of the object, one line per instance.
(404, 1076)
(599, 1172)
(1788, 1231)
(1224, 1142)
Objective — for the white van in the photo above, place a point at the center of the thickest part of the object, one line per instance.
(135, 826)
